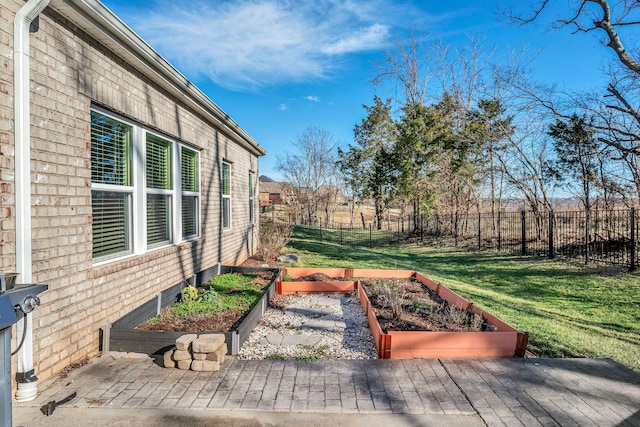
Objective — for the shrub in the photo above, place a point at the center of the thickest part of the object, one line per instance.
(273, 237)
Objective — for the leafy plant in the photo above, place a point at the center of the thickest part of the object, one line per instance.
(190, 293)
(231, 291)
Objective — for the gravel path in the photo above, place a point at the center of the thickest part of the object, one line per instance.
(312, 327)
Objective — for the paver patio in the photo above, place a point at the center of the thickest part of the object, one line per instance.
(510, 392)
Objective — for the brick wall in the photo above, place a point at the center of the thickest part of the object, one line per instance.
(69, 72)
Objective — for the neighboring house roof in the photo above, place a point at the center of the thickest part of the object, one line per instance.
(273, 187)
(265, 178)
(97, 21)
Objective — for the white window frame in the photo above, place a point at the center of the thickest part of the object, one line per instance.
(190, 193)
(138, 192)
(252, 192)
(227, 200)
(167, 193)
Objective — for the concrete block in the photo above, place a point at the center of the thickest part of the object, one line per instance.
(208, 343)
(184, 364)
(200, 356)
(184, 341)
(205, 366)
(169, 361)
(218, 355)
(181, 355)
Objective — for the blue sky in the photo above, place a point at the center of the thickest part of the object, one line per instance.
(278, 66)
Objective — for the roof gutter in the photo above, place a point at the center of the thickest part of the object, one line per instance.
(27, 381)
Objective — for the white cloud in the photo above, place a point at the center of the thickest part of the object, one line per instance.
(283, 107)
(245, 45)
(312, 98)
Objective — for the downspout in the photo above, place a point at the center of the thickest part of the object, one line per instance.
(27, 381)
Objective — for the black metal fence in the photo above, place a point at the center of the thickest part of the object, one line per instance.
(609, 237)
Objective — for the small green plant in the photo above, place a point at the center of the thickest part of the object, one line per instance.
(275, 357)
(419, 305)
(309, 358)
(224, 292)
(210, 296)
(287, 278)
(190, 293)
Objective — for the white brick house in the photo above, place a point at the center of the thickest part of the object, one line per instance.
(137, 180)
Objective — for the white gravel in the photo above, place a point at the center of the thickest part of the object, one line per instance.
(312, 327)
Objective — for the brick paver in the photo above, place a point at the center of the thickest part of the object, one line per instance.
(529, 392)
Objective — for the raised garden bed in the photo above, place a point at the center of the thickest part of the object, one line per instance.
(125, 334)
(494, 338)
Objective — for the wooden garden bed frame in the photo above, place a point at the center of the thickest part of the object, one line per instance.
(504, 341)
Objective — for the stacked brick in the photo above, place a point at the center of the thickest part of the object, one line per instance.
(197, 352)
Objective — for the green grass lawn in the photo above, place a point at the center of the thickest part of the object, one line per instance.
(568, 310)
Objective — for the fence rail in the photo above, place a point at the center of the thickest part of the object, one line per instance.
(608, 237)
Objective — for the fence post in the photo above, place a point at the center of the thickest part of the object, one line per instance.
(551, 248)
(587, 234)
(341, 234)
(320, 227)
(370, 235)
(479, 237)
(523, 232)
(632, 237)
(499, 231)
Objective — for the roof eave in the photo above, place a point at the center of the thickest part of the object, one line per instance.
(99, 22)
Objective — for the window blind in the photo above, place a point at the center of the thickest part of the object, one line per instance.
(189, 170)
(110, 151)
(158, 214)
(226, 179)
(189, 216)
(158, 161)
(111, 213)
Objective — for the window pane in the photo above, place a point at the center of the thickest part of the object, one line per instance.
(189, 216)
(189, 170)
(158, 218)
(111, 213)
(158, 163)
(226, 179)
(226, 213)
(110, 151)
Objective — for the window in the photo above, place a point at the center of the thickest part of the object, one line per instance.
(226, 196)
(139, 207)
(159, 190)
(189, 173)
(251, 194)
(111, 186)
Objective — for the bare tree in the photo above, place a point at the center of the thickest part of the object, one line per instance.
(616, 109)
(311, 169)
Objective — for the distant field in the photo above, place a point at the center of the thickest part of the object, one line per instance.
(341, 215)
